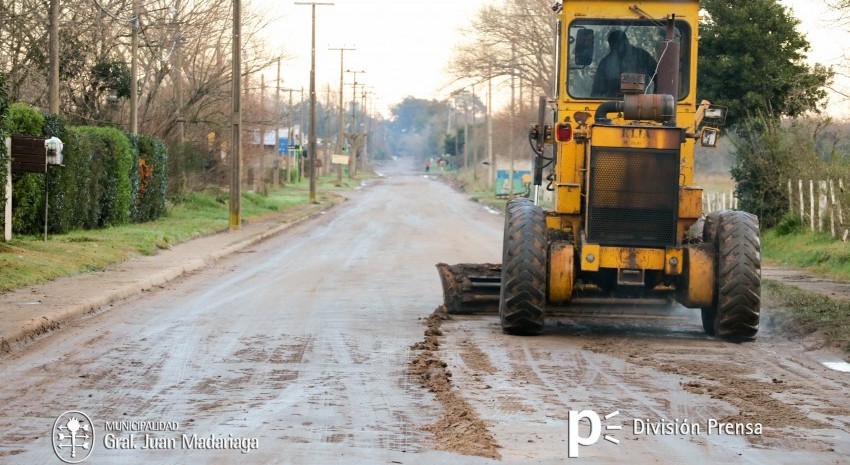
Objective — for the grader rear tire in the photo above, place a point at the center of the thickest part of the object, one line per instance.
(709, 236)
(522, 298)
(737, 304)
(709, 230)
(709, 317)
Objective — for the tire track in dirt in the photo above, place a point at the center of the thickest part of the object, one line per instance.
(719, 374)
(459, 429)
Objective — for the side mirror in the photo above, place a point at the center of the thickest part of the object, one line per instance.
(708, 137)
(584, 47)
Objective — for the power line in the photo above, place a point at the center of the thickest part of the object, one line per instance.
(113, 16)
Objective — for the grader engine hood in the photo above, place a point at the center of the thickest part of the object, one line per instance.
(633, 186)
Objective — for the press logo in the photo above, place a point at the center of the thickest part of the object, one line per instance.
(574, 438)
(73, 437)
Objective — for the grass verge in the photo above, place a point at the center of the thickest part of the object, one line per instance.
(819, 253)
(803, 313)
(28, 260)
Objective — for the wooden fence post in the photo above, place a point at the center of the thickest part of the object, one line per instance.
(812, 205)
(790, 197)
(831, 209)
(802, 203)
(822, 206)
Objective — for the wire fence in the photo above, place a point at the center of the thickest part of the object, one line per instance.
(821, 204)
(713, 201)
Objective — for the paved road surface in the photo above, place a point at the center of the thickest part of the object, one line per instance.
(302, 343)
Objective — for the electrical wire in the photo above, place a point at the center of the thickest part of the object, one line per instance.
(658, 65)
(115, 17)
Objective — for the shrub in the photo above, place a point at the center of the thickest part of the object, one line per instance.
(23, 119)
(152, 175)
(762, 168)
(790, 224)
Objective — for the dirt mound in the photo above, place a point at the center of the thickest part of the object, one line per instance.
(459, 429)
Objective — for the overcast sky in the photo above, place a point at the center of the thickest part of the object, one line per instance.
(404, 45)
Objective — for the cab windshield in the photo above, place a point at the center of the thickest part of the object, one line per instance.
(601, 51)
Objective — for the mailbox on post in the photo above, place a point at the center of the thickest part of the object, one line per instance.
(31, 154)
(54, 151)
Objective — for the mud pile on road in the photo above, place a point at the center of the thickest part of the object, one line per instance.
(459, 429)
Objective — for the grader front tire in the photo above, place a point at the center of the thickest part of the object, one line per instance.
(523, 294)
(737, 304)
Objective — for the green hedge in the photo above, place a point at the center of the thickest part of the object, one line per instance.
(152, 178)
(103, 181)
(27, 189)
(71, 184)
(111, 190)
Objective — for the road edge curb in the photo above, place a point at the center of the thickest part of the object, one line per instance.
(53, 322)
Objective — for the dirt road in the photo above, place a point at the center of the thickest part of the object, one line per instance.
(297, 351)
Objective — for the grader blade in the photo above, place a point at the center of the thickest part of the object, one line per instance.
(471, 287)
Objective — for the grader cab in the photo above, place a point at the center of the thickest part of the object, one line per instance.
(626, 223)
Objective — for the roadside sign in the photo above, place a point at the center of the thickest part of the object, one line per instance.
(282, 144)
(502, 185)
(339, 159)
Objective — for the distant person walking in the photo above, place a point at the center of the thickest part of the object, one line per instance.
(427, 166)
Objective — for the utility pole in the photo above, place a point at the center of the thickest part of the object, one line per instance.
(352, 156)
(301, 126)
(290, 136)
(474, 137)
(178, 78)
(491, 169)
(178, 96)
(363, 116)
(511, 125)
(341, 116)
(465, 134)
(263, 190)
(313, 102)
(456, 130)
(134, 71)
(246, 84)
(53, 95)
(326, 132)
(236, 120)
(276, 175)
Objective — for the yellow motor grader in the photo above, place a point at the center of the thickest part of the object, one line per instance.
(627, 223)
